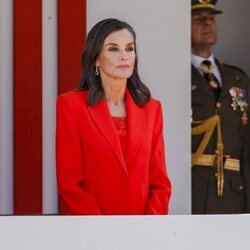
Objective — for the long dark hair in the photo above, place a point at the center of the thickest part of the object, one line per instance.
(94, 43)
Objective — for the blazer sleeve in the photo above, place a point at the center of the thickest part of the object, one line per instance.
(69, 163)
(159, 183)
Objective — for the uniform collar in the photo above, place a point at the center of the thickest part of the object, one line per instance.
(197, 60)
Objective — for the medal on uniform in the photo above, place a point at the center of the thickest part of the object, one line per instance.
(240, 102)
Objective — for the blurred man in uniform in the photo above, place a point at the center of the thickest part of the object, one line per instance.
(220, 173)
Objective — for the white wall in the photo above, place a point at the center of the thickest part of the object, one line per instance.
(183, 232)
(163, 40)
(49, 95)
(6, 107)
(233, 46)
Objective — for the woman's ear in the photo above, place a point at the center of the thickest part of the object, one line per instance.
(97, 64)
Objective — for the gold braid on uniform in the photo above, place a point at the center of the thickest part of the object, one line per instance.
(208, 126)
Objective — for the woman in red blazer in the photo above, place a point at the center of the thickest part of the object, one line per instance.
(109, 139)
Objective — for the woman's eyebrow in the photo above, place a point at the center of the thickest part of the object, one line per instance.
(115, 44)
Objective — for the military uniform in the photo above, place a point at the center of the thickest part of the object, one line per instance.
(234, 130)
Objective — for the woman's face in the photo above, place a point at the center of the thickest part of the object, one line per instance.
(117, 57)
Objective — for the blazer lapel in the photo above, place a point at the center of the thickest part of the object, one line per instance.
(226, 80)
(200, 81)
(135, 127)
(103, 120)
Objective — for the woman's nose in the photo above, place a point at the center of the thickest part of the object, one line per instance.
(124, 55)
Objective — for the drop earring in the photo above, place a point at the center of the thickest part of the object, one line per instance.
(97, 71)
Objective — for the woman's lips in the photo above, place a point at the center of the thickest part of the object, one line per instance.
(123, 66)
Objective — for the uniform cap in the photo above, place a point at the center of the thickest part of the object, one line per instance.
(199, 6)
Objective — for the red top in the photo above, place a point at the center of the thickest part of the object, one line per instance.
(121, 126)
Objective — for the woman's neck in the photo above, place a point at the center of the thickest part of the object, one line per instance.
(115, 96)
(115, 91)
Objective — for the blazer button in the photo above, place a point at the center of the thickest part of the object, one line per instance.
(218, 105)
(240, 188)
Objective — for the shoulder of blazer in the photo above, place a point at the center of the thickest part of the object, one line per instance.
(236, 71)
(238, 76)
(153, 108)
(75, 97)
(152, 103)
(235, 68)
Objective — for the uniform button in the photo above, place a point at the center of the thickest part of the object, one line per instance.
(240, 188)
(218, 105)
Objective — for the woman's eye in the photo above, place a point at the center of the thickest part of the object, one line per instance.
(112, 49)
(130, 49)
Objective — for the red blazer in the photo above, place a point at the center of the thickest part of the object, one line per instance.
(94, 178)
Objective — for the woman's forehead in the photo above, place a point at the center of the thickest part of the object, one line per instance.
(118, 36)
